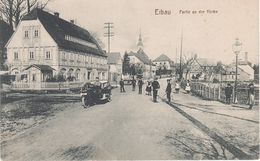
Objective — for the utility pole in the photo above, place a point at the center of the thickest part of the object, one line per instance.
(181, 55)
(108, 34)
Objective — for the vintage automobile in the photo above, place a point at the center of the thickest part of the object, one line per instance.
(95, 92)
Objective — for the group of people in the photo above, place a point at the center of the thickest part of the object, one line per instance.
(250, 94)
(152, 87)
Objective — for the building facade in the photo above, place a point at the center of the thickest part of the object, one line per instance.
(115, 67)
(44, 39)
(164, 65)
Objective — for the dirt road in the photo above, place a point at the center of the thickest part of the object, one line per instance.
(129, 127)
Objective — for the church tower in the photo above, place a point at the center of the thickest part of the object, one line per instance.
(140, 42)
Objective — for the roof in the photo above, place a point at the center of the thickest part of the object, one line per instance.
(113, 58)
(5, 33)
(140, 54)
(41, 67)
(162, 57)
(58, 28)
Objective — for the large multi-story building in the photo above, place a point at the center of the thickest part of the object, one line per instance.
(45, 45)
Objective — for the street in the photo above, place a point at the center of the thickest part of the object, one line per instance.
(131, 127)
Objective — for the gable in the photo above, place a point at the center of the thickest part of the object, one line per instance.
(67, 35)
(18, 38)
(195, 67)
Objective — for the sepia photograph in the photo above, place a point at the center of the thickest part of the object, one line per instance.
(129, 80)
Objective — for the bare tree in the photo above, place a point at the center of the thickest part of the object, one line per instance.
(97, 38)
(13, 10)
(30, 4)
(7, 10)
(19, 8)
(186, 66)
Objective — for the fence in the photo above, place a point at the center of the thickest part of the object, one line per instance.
(46, 85)
(217, 92)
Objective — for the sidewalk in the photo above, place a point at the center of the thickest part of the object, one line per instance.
(234, 123)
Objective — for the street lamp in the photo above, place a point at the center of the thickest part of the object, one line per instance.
(237, 46)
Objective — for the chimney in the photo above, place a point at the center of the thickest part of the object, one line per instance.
(72, 21)
(56, 14)
(246, 57)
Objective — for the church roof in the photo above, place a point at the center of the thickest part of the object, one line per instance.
(58, 28)
(141, 55)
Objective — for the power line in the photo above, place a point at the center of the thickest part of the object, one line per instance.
(108, 34)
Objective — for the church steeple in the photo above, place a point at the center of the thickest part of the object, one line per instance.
(140, 41)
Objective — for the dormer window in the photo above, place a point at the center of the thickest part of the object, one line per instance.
(26, 34)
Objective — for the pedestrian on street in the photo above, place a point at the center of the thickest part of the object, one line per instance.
(148, 88)
(122, 85)
(228, 93)
(187, 88)
(251, 96)
(168, 90)
(177, 87)
(140, 86)
(156, 87)
(133, 84)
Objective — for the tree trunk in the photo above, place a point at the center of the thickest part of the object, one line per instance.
(28, 6)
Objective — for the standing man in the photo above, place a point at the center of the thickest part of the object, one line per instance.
(140, 85)
(251, 96)
(228, 93)
(122, 84)
(133, 84)
(168, 90)
(156, 87)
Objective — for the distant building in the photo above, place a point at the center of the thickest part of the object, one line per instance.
(45, 45)
(5, 33)
(143, 64)
(244, 73)
(114, 61)
(200, 68)
(164, 65)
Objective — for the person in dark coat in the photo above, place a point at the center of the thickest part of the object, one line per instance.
(133, 84)
(156, 87)
(228, 93)
(122, 85)
(251, 96)
(168, 90)
(149, 88)
(140, 85)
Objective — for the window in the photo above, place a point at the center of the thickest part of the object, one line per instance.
(36, 33)
(34, 77)
(26, 34)
(48, 55)
(31, 55)
(15, 55)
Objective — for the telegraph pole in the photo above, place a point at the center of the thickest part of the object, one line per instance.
(108, 34)
(181, 55)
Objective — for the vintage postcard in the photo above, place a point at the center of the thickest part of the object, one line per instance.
(129, 80)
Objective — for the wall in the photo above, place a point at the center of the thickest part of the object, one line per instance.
(38, 45)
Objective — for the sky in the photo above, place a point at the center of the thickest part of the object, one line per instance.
(209, 35)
